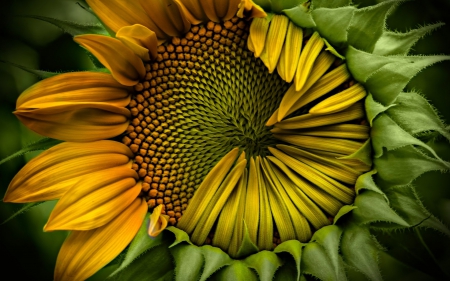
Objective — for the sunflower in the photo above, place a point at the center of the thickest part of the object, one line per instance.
(264, 137)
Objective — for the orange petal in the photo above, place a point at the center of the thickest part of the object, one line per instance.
(193, 11)
(85, 252)
(53, 172)
(166, 14)
(249, 10)
(218, 11)
(158, 222)
(95, 200)
(126, 67)
(82, 122)
(141, 40)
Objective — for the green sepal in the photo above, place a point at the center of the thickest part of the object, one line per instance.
(407, 204)
(247, 247)
(140, 244)
(386, 134)
(236, 271)
(279, 5)
(180, 236)
(41, 74)
(394, 43)
(265, 263)
(188, 262)
(316, 262)
(332, 24)
(215, 259)
(342, 212)
(366, 182)
(415, 115)
(332, 50)
(368, 24)
(364, 153)
(155, 264)
(329, 238)
(403, 165)
(329, 4)
(265, 4)
(286, 272)
(41, 144)
(25, 207)
(294, 248)
(372, 207)
(374, 108)
(301, 16)
(360, 252)
(73, 28)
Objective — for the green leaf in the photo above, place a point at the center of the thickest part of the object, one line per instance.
(236, 271)
(294, 248)
(140, 244)
(215, 259)
(265, 263)
(415, 115)
(367, 25)
(247, 247)
(155, 264)
(374, 108)
(286, 272)
(329, 4)
(394, 43)
(25, 208)
(403, 165)
(333, 23)
(343, 211)
(372, 207)
(329, 238)
(301, 16)
(180, 236)
(41, 74)
(41, 144)
(364, 153)
(360, 251)
(189, 261)
(386, 134)
(366, 182)
(72, 28)
(316, 262)
(279, 5)
(265, 4)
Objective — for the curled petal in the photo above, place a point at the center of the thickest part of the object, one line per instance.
(81, 122)
(95, 200)
(141, 40)
(248, 9)
(168, 16)
(53, 172)
(158, 222)
(193, 11)
(126, 67)
(218, 11)
(85, 252)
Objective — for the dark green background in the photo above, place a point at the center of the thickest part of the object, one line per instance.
(29, 253)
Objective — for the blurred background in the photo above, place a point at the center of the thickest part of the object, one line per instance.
(37, 45)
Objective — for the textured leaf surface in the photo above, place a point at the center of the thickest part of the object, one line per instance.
(300, 16)
(238, 270)
(374, 108)
(41, 144)
(265, 263)
(294, 248)
(316, 262)
(343, 211)
(365, 181)
(73, 28)
(333, 23)
(188, 262)
(25, 208)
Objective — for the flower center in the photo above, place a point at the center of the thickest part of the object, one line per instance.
(204, 95)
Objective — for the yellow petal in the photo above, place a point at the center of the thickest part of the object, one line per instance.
(257, 36)
(53, 172)
(126, 67)
(158, 222)
(141, 40)
(251, 215)
(343, 131)
(249, 10)
(193, 11)
(85, 252)
(265, 231)
(118, 13)
(290, 54)
(74, 87)
(166, 14)
(340, 101)
(222, 10)
(95, 200)
(307, 58)
(275, 40)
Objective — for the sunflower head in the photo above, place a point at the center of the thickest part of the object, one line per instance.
(247, 129)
